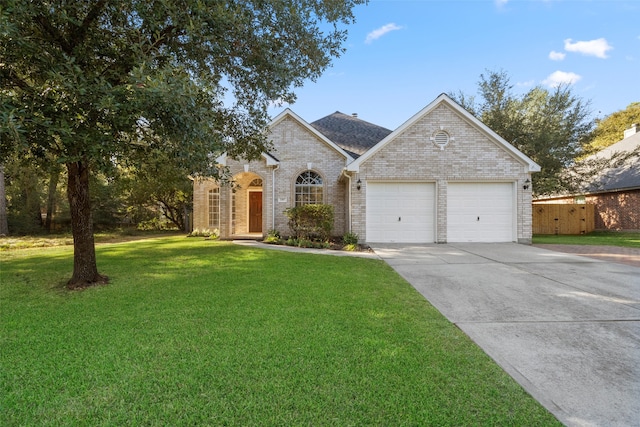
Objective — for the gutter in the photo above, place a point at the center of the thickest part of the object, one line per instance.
(273, 196)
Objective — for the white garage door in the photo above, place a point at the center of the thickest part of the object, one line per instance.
(480, 212)
(400, 212)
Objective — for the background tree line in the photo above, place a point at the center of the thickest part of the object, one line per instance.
(553, 127)
(155, 195)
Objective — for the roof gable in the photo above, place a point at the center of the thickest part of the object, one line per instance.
(445, 99)
(288, 113)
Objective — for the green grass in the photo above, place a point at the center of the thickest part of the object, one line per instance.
(195, 332)
(603, 238)
(66, 239)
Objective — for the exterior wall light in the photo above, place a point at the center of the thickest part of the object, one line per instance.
(358, 184)
(526, 184)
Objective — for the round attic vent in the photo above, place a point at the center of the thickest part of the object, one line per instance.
(441, 139)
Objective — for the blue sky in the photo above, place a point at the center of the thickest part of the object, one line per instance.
(402, 54)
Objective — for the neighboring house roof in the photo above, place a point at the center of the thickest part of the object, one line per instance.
(622, 177)
(349, 132)
(444, 98)
(288, 113)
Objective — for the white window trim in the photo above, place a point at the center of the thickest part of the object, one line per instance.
(214, 208)
(321, 186)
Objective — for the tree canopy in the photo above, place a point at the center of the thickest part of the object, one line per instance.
(91, 84)
(549, 126)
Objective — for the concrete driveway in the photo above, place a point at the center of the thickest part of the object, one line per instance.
(566, 327)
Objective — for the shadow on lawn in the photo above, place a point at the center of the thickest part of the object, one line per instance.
(150, 262)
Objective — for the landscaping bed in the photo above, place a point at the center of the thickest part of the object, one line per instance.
(335, 243)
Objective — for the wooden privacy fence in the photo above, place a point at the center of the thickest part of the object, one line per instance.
(563, 219)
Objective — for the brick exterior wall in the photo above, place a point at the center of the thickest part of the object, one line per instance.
(613, 211)
(296, 148)
(472, 157)
(617, 211)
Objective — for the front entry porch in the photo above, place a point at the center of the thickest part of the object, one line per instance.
(246, 206)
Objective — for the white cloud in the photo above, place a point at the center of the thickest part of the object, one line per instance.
(501, 3)
(528, 83)
(558, 78)
(377, 33)
(597, 47)
(556, 56)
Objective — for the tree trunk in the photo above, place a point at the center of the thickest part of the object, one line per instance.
(4, 225)
(85, 268)
(173, 214)
(54, 177)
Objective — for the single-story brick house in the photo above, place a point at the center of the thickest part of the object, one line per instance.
(615, 191)
(442, 176)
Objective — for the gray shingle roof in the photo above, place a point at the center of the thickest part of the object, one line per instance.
(626, 176)
(350, 133)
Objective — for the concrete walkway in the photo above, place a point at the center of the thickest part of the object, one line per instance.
(284, 248)
(566, 327)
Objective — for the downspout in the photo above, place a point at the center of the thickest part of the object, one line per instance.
(273, 196)
(348, 199)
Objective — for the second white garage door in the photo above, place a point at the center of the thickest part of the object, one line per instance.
(480, 212)
(400, 212)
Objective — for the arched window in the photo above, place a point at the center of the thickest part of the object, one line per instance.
(256, 183)
(309, 189)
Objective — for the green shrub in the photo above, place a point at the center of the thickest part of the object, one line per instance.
(311, 222)
(305, 243)
(205, 232)
(273, 233)
(350, 238)
(351, 247)
(273, 236)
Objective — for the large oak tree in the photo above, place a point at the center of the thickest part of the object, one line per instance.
(89, 83)
(549, 126)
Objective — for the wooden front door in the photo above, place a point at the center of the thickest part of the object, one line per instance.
(255, 212)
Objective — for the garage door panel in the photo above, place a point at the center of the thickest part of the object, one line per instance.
(400, 212)
(480, 212)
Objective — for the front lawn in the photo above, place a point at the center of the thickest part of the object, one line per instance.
(66, 239)
(602, 238)
(195, 332)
